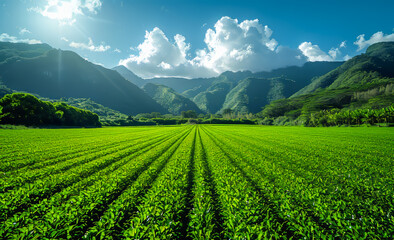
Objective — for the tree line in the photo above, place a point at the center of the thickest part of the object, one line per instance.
(26, 109)
(336, 117)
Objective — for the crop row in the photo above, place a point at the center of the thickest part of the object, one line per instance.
(198, 182)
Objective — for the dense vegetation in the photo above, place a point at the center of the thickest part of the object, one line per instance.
(26, 109)
(106, 114)
(335, 117)
(197, 182)
(364, 82)
(174, 102)
(52, 73)
(213, 95)
(251, 94)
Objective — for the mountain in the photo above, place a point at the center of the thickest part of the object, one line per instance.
(182, 84)
(373, 66)
(365, 81)
(188, 87)
(129, 75)
(251, 94)
(229, 89)
(4, 90)
(54, 73)
(14, 51)
(303, 75)
(210, 94)
(169, 99)
(211, 100)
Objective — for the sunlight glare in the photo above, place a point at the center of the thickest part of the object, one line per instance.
(62, 10)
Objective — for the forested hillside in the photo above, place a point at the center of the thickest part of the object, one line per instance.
(365, 81)
(169, 99)
(54, 73)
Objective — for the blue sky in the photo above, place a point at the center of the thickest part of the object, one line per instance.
(202, 38)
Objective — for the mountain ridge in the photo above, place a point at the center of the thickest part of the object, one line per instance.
(55, 74)
(365, 81)
(170, 99)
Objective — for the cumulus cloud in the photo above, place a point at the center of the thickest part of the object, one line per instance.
(24, 31)
(375, 38)
(117, 50)
(90, 46)
(231, 46)
(314, 53)
(4, 37)
(158, 56)
(243, 46)
(65, 11)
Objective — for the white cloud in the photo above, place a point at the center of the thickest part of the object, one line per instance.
(230, 46)
(346, 57)
(90, 46)
(157, 56)
(24, 31)
(375, 38)
(93, 5)
(117, 50)
(64, 39)
(314, 53)
(65, 11)
(4, 37)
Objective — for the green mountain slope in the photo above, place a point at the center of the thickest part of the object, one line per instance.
(169, 99)
(55, 74)
(129, 75)
(210, 93)
(182, 84)
(105, 113)
(283, 83)
(365, 81)
(369, 68)
(14, 51)
(251, 94)
(211, 100)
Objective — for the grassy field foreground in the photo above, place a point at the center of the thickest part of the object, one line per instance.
(197, 182)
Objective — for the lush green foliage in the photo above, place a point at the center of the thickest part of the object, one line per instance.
(364, 82)
(197, 182)
(335, 117)
(106, 114)
(372, 68)
(174, 102)
(26, 109)
(246, 92)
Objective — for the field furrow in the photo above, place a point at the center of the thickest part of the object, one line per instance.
(197, 182)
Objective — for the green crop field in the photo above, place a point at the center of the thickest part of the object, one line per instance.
(197, 182)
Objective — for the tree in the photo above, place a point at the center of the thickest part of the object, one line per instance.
(26, 109)
(227, 113)
(189, 114)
